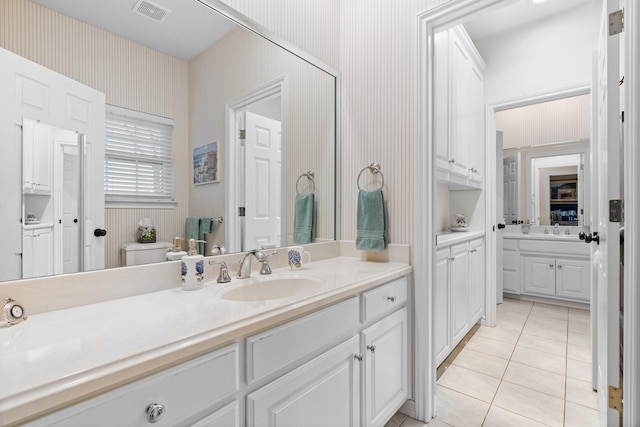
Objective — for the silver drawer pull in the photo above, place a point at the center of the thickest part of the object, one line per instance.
(371, 348)
(358, 357)
(391, 298)
(155, 411)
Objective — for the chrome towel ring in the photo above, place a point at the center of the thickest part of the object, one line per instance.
(375, 169)
(310, 176)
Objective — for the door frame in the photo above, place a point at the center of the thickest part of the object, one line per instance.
(631, 129)
(424, 247)
(234, 106)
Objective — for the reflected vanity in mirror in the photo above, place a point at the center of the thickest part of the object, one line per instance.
(546, 162)
(208, 69)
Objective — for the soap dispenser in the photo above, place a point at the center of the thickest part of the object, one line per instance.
(178, 250)
(192, 268)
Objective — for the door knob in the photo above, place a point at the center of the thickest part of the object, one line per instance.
(99, 232)
(591, 237)
(501, 226)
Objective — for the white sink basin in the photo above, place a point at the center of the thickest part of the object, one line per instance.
(272, 287)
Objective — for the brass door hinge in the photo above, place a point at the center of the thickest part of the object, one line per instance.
(615, 398)
(243, 134)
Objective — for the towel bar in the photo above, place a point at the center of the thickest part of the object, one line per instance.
(310, 175)
(374, 168)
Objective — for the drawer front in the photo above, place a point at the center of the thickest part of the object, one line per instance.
(510, 244)
(549, 247)
(279, 347)
(182, 391)
(384, 299)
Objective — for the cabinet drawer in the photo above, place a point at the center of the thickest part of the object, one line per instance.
(280, 347)
(184, 391)
(547, 247)
(384, 299)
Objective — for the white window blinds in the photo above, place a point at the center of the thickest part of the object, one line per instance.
(138, 157)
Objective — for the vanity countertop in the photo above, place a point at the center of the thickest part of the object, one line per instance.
(58, 358)
(448, 238)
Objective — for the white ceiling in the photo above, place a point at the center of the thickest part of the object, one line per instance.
(189, 29)
(517, 14)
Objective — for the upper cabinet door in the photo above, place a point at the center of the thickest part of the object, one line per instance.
(460, 77)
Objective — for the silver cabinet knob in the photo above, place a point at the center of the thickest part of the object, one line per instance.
(155, 411)
(550, 265)
(391, 298)
(452, 160)
(371, 348)
(358, 357)
(559, 266)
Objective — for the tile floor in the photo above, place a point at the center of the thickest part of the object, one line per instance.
(532, 369)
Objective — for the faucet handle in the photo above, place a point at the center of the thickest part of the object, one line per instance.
(223, 274)
(266, 268)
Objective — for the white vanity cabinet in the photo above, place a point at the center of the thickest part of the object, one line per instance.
(548, 268)
(179, 396)
(459, 111)
(556, 277)
(361, 381)
(37, 252)
(458, 294)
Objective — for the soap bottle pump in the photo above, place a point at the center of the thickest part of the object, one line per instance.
(192, 268)
(178, 250)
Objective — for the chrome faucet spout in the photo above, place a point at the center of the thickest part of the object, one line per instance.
(245, 265)
(556, 228)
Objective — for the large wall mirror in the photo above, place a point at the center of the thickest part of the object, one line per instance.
(210, 71)
(546, 162)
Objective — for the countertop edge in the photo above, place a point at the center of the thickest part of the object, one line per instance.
(70, 390)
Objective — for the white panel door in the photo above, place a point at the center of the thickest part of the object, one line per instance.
(263, 184)
(500, 203)
(609, 187)
(511, 184)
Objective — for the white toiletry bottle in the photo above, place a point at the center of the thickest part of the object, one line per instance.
(178, 250)
(192, 268)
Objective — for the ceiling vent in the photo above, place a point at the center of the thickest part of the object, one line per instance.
(151, 11)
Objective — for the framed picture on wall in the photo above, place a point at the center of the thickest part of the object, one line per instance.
(205, 164)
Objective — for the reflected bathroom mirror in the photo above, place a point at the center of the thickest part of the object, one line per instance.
(186, 68)
(546, 162)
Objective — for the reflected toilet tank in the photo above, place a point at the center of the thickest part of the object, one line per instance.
(143, 253)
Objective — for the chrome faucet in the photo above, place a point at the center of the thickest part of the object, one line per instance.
(245, 265)
(556, 229)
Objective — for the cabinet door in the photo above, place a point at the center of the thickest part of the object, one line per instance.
(441, 101)
(37, 157)
(476, 140)
(229, 416)
(459, 74)
(28, 254)
(386, 368)
(539, 275)
(459, 292)
(476, 279)
(440, 307)
(43, 252)
(322, 392)
(572, 279)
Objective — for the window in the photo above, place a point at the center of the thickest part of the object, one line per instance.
(138, 158)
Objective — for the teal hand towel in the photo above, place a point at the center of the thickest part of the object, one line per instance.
(304, 218)
(371, 224)
(192, 230)
(206, 226)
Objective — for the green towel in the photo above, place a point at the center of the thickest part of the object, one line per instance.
(371, 221)
(206, 226)
(304, 218)
(192, 230)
